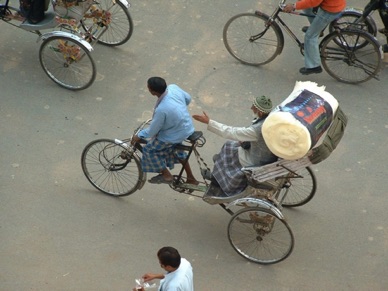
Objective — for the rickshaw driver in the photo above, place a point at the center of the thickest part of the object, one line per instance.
(171, 124)
(246, 147)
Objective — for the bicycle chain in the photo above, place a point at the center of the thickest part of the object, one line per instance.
(201, 162)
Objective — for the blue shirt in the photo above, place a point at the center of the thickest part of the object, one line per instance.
(171, 122)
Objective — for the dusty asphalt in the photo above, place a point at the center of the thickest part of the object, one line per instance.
(58, 233)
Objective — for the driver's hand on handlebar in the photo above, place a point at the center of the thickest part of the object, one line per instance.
(289, 8)
(135, 139)
(202, 118)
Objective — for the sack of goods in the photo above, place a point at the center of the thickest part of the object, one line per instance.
(302, 122)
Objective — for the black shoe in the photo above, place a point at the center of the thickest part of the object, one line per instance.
(308, 71)
(206, 174)
(304, 29)
(383, 31)
(385, 48)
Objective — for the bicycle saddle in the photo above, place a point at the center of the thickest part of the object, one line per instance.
(195, 136)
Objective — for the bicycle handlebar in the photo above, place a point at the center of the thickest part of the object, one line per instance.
(141, 126)
(282, 3)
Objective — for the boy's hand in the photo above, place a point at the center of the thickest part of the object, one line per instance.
(289, 7)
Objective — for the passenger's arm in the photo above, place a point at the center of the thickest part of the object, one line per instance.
(228, 132)
(231, 132)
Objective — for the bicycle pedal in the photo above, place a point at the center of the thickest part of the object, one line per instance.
(188, 186)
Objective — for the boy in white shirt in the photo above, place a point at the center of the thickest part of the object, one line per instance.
(179, 276)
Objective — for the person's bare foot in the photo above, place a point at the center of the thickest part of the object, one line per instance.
(192, 181)
(16, 16)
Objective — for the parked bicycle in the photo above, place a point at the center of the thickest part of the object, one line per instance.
(257, 231)
(349, 54)
(65, 53)
(362, 19)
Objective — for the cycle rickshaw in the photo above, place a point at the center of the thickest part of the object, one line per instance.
(257, 230)
(75, 27)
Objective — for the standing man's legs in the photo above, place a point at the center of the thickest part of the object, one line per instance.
(312, 58)
(309, 11)
(383, 11)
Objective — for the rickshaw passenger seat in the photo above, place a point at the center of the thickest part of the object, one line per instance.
(46, 23)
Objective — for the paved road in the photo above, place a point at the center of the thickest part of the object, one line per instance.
(58, 233)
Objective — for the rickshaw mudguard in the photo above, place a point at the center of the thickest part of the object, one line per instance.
(352, 9)
(65, 34)
(359, 12)
(125, 3)
(255, 202)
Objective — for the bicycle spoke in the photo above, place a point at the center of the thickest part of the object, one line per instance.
(301, 189)
(67, 62)
(112, 27)
(346, 60)
(111, 168)
(259, 236)
(248, 39)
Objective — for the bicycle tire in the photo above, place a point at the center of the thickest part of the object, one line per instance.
(108, 170)
(119, 29)
(67, 62)
(237, 34)
(301, 189)
(260, 236)
(348, 19)
(348, 62)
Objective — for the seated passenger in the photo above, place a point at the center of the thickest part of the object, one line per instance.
(246, 147)
(171, 124)
(32, 10)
